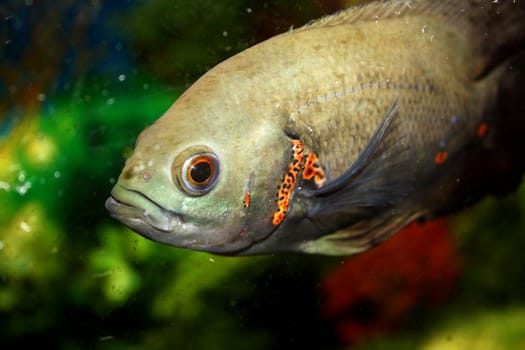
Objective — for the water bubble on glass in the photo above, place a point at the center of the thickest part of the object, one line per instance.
(5, 186)
(22, 190)
(25, 226)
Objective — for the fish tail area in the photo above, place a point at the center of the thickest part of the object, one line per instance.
(496, 165)
(496, 30)
(505, 160)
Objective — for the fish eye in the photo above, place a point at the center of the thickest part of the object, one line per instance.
(199, 173)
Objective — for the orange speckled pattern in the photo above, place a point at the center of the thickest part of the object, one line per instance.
(289, 182)
(312, 170)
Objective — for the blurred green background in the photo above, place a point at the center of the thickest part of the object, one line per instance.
(78, 81)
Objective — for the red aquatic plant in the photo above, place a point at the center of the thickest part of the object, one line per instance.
(377, 291)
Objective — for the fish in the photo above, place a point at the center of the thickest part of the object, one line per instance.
(330, 138)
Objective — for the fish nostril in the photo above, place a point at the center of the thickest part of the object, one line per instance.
(129, 173)
(138, 170)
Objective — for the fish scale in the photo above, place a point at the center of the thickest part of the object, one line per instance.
(338, 147)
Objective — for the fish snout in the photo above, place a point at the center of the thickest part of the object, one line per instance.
(135, 209)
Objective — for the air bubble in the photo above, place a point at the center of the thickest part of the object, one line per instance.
(22, 190)
(25, 226)
(5, 186)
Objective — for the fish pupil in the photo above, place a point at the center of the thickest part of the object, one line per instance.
(200, 172)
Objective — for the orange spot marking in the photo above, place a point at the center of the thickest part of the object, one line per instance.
(312, 170)
(482, 130)
(440, 157)
(289, 182)
(247, 199)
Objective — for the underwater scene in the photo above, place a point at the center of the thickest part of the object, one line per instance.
(79, 81)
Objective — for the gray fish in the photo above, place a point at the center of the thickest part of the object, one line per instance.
(330, 138)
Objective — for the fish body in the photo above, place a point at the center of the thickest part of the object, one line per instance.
(330, 138)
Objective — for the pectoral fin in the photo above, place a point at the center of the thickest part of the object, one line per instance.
(379, 178)
(368, 202)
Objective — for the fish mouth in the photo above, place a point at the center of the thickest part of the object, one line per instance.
(149, 219)
(140, 212)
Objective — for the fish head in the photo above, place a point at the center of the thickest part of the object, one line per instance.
(205, 175)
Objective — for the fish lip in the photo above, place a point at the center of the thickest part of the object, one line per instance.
(115, 206)
(135, 216)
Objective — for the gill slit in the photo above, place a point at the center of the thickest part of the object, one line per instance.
(302, 167)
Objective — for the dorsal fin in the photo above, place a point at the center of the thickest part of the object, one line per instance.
(495, 28)
(389, 9)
